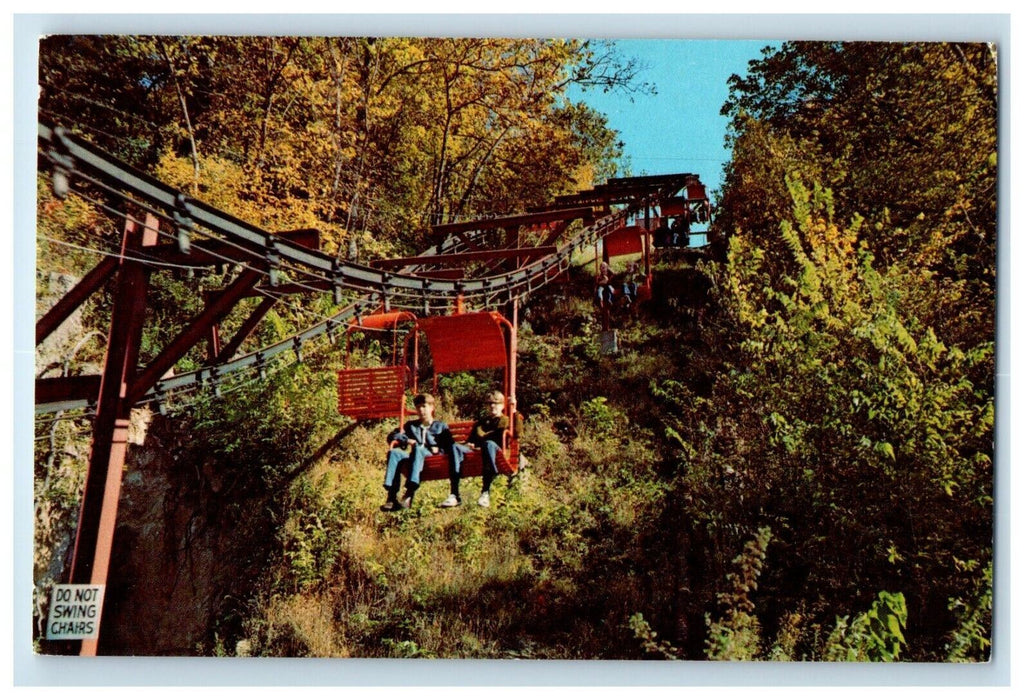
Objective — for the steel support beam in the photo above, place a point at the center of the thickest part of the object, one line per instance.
(556, 233)
(64, 307)
(57, 389)
(226, 353)
(451, 273)
(194, 332)
(464, 237)
(543, 217)
(91, 556)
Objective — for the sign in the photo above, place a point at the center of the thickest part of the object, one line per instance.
(610, 342)
(75, 611)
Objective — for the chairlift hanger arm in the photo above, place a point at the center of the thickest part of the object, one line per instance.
(542, 217)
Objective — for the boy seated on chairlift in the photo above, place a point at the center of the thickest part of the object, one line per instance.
(416, 441)
(662, 234)
(631, 283)
(604, 293)
(488, 434)
(680, 232)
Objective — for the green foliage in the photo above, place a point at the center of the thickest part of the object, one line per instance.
(857, 410)
(268, 428)
(857, 114)
(736, 634)
(600, 417)
(855, 320)
(405, 649)
(313, 534)
(649, 638)
(465, 391)
(972, 640)
(875, 635)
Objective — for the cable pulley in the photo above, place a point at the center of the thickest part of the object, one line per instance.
(183, 224)
(64, 164)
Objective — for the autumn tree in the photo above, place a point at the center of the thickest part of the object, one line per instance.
(906, 134)
(369, 139)
(855, 411)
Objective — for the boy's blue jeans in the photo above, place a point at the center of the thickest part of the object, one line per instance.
(392, 479)
(490, 463)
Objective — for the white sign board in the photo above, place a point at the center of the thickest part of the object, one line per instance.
(75, 611)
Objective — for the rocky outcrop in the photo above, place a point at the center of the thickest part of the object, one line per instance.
(58, 354)
(190, 543)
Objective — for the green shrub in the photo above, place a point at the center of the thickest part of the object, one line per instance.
(875, 635)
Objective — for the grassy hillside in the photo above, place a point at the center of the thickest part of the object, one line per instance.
(570, 550)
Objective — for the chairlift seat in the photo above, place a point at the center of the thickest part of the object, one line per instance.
(366, 393)
(436, 467)
(458, 343)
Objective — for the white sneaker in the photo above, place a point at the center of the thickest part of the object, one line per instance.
(484, 500)
(450, 502)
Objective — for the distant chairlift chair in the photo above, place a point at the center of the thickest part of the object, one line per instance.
(632, 240)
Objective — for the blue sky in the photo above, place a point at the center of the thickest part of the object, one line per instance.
(678, 129)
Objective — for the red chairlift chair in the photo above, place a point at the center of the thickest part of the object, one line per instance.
(698, 205)
(464, 342)
(366, 393)
(631, 240)
(695, 208)
(673, 206)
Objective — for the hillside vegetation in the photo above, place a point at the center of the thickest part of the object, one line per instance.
(790, 458)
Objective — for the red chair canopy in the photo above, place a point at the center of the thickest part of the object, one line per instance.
(380, 321)
(624, 241)
(466, 341)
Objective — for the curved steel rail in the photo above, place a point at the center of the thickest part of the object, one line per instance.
(70, 156)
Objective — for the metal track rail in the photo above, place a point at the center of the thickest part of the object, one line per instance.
(404, 289)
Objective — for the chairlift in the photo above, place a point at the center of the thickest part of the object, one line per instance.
(366, 393)
(631, 240)
(465, 342)
(458, 342)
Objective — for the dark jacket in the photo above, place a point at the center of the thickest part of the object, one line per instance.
(436, 435)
